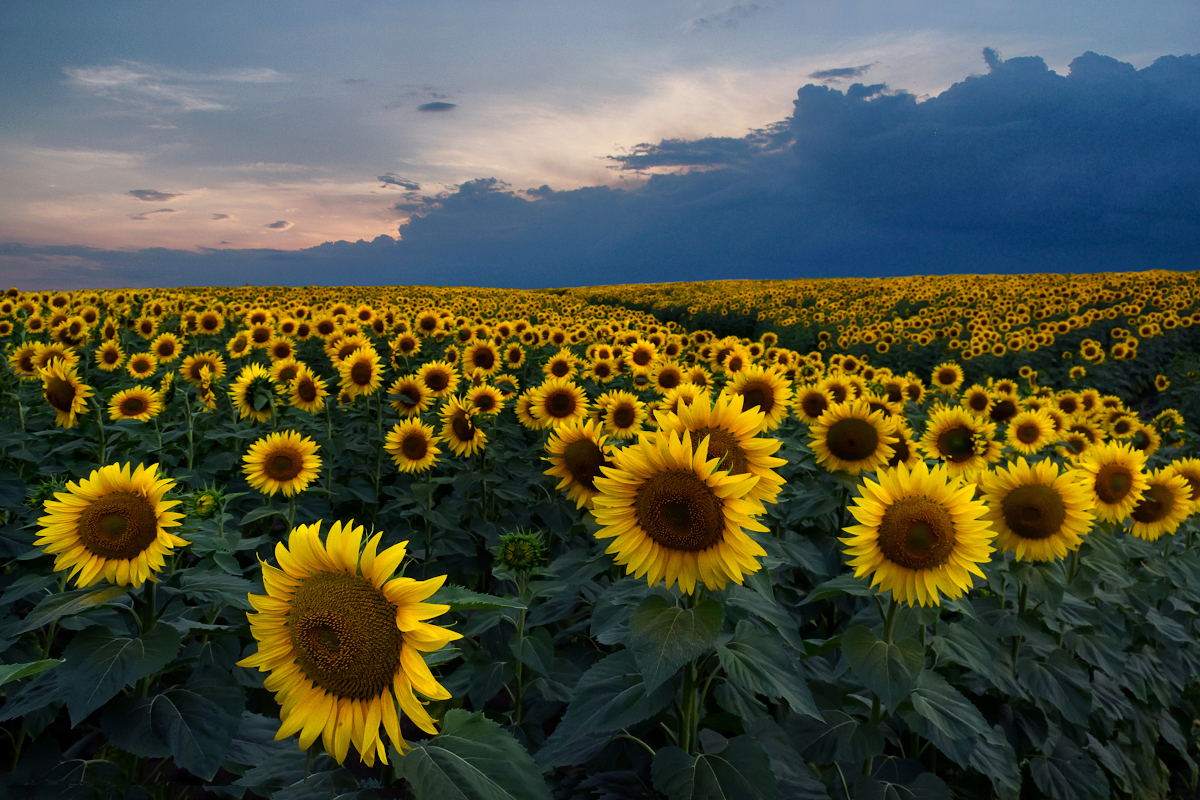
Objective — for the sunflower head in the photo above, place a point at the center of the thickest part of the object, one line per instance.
(112, 526)
(412, 446)
(1165, 503)
(64, 392)
(576, 453)
(1113, 475)
(1038, 514)
(849, 437)
(522, 550)
(283, 461)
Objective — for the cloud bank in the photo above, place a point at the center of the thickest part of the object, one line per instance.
(1016, 170)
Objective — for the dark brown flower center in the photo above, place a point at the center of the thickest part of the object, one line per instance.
(902, 452)
(60, 394)
(623, 415)
(916, 533)
(437, 380)
(1003, 411)
(1156, 504)
(415, 446)
(463, 427)
(978, 402)
(560, 404)
(679, 511)
(814, 404)
(1113, 482)
(669, 378)
(344, 633)
(283, 464)
(1028, 433)
(1034, 511)
(119, 525)
(947, 377)
(361, 373)
(111, 356)
(757, 394)
(133, 406)
(723, 445)
(484, 358)
(484, 402)
(583, 458)
(307, 390)
(852, 439)
(957, 444)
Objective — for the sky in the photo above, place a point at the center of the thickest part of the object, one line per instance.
(533, 144)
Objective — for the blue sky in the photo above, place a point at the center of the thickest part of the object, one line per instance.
(543, 143)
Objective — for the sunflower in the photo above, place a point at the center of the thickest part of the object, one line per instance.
(112, 526)
(947, 377)
(1005, 406)
(731, 429)
(524, 410)
(65, 393)
(252, 393)
(514, 355)
(412, 446)
(22, 363)
(576, 452)
(906, 451)
(109, 356)
(810, 402)
(307, 392)
(964, 442)
(682, 396)
(920, 534)
(665, 376)
(850, 437)
(1166, 503)
(622, 414)
(486, 400)
(1030, 431)
(360, 372)
(342, 640)
(194, 363)
(765, 390)
(507, 385)
(1189, 468)
(439, 377)
(142, 365)
(1145, 438)
(673, 515)
(285, 370)
(1038, 514)
(558, 401)
(482, 356)
(459, 429)
(165, 348)
(977, 400)
(1113, 475)
(412, 396)
(137, 403)
(284, 461)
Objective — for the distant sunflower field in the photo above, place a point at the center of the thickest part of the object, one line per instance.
(913, 538)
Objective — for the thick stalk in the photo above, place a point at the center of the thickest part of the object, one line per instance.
(687, 711)
(889, 624)
(518, 700)
(291, 511)
(187, 406)
(1022, 595)
(102, 455)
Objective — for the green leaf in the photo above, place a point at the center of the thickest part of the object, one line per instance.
(460, 599)
(757, 662)
(970, 644)
(769, 610)
(946, 708)
(1069, 773)
(14, 672)
(888, 670)
(1060, 682)
(216, 587)
(611, 695)
(197, 730)
(741, 771)
(65, 604)
(126, 724)
(994, 757)
(472, 759)
(664, 637)
(535, 650)
(262, 512)
(844, 584)
(100, 664)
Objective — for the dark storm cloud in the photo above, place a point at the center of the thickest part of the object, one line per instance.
(152, 196)
(1015, 170)
(149, 214)
(281, 225)
(392, 179)
(841, 73)
(436, 106)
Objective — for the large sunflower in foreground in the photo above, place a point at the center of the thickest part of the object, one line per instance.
(576, 452)
(65, 393)
(850, 437)
(412, 396)
(672, 514)
(112, 525)
(284, 461)
(1038, 514)
(342, 639)
(730, 430)
(920, 534)
(1113, 475)
(1164, 505)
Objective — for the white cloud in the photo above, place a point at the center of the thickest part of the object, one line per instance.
(152, 87)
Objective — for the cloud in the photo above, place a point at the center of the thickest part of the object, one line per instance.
(841, 73)
(152, 195)
(154, 88)
(1016, 170)
(281, 225)
(436, 106)
(727, 17)
(222, 216)
(392, 179)
(148, 214)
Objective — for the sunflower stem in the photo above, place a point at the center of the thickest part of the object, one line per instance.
(103, 454)
(291, 511)
(1073, 566)
(889, 624)
(187, 407)
(428, 521)
(378, 452)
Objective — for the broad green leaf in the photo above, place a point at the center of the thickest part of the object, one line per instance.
(535, 650)
(472, 759)
(197, 729)
(14, 672)
(757, 662)
(42, 691)
(741, 771)
(796, 781)
(664, 637)
(836, 737)
(99, 664)
(946, 708)
(925, 786)
(994, 757)
(262, 512)
(126, 724)
(460, 599)
(216, 587)
(888, 670)
(1060, 683)
(768, 610)
(65, 604)
(610, 696)
(844, 584)
(27, 585)
(970, 644)
(1069, 773)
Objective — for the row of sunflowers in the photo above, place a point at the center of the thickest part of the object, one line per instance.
(652, 553)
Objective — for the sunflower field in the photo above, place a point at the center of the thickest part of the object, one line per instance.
(914, 538)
